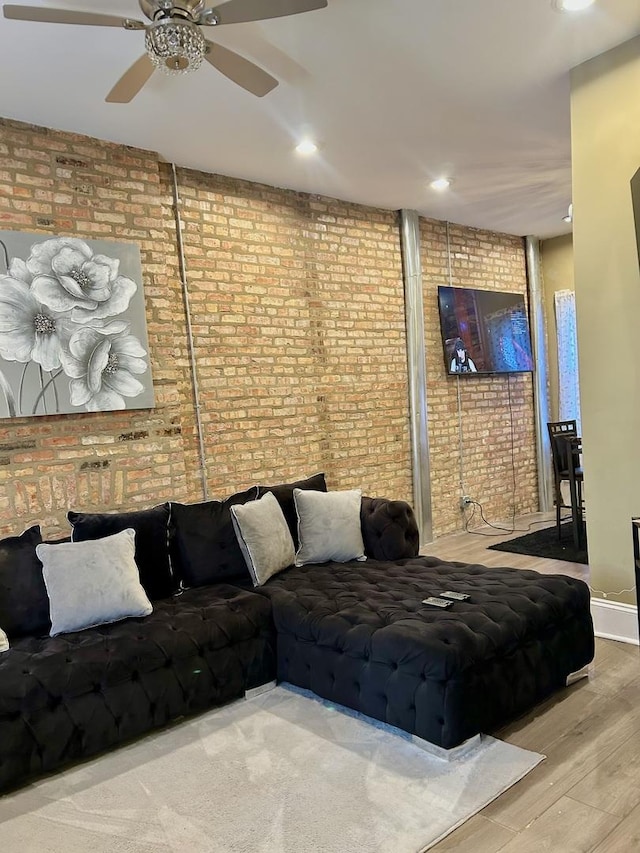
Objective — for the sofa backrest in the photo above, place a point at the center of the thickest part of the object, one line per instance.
(389, 529)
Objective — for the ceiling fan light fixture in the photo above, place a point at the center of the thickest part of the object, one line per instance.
(572, 5)
(440, 185)
(175, 46)
(306, 147)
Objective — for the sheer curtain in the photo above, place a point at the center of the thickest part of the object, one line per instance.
(568, 382)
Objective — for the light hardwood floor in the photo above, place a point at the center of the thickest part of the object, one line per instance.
(585, 798)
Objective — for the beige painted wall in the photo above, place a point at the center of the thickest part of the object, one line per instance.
(556, 261)
(605, 118)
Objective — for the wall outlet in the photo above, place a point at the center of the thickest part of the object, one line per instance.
(465, 500)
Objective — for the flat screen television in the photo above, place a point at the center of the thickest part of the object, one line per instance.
(484, 331)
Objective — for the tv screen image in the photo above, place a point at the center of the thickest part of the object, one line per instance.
(484, 331)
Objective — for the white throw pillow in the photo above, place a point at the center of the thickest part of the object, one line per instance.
(328, 526)
(264, 537)
(4, 642)
(92, 583)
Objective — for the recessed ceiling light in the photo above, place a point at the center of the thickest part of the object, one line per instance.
(572, 5)
(440, 184)
(306, 147)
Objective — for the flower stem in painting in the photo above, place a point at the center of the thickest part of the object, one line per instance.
(44, 390)
(8, 395)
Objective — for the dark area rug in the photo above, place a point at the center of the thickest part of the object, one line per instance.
(545, 543)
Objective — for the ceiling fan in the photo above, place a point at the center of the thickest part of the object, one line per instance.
(174, 41)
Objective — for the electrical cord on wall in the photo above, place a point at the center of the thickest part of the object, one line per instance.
(472, 503)
(604, 594)
(460, 446)
(500, 530)
(458, 394)
(496, 527)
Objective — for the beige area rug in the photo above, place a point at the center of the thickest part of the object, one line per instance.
(283, 772)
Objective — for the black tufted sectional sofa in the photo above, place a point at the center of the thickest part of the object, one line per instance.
(67, 697)
(356, 633)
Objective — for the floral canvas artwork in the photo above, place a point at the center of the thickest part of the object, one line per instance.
(73, 334)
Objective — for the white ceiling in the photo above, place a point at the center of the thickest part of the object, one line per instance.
(396, 92)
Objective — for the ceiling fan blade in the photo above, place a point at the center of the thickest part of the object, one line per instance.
(66, 16)
(131, 81)
(243, 72)
(239, 11)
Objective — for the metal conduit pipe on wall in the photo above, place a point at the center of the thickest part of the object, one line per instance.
(417, 372)
(190, 346)
(540, 386)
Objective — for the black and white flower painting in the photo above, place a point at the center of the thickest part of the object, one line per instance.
(73, 334)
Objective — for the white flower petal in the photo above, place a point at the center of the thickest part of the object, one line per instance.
(47, 290)
(83, 342)
(14, 291)
(16, 346)
(41, 254)
(13, 319)
(79, 392)
(67, 259)
(74, 368)
(69, 284)
(97, 363)
(65, 327)
(129, 345)
(133, 365)
(112, 263)
(108, 327)
(123, 382)
(18, 269)
(46, 351)
(100, 274)
(122, 290)
(99, 294)
(106, 400)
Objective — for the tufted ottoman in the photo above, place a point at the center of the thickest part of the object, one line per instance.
(358, 634)
(67, 697)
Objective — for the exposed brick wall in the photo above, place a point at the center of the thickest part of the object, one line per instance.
(298, 321)
(63, 184)
(479, 259)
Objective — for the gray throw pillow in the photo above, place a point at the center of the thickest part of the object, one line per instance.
(328, 526)
(92, 583)
(264, 537)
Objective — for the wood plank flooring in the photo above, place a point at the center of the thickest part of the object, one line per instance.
(585, 798)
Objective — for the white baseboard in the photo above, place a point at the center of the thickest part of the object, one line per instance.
(613, 620)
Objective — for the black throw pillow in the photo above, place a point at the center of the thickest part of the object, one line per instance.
(24, 603)
(204, 546)
(152, 550)
(283, 493)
